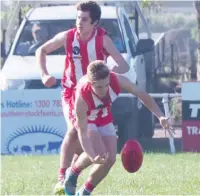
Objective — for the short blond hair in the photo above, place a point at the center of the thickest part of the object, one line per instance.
(97, 70)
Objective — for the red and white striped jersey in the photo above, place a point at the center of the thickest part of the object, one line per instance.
(99, 110)
(78, 56)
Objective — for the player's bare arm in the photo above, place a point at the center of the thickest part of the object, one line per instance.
(147, 100)
(56, 42)
(81, 109)
(122, 65)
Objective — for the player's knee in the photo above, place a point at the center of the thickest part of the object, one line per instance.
(79, 149)
(71, 134)
(69, 139)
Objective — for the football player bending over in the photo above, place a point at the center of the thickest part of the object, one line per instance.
(91, 115)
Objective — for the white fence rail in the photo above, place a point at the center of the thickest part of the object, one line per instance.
(165, 100)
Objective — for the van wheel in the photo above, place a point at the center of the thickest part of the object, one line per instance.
(128, 126)
(146, 123)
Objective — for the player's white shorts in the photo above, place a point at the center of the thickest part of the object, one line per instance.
(65, 107)
(106, 130)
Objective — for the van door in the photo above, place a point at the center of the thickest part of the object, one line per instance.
(137, 63)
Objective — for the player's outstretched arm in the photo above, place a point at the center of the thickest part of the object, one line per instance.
(51, 45)
(122, 66)
(81, 117)
(147, 100)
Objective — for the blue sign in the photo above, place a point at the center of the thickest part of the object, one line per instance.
(32, 122)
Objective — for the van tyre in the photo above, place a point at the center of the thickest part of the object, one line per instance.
(146, 123)
(125, 113)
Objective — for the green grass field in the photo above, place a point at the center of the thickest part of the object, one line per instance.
(160, 174)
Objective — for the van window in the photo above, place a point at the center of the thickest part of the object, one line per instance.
(36, 33)
(130, 36)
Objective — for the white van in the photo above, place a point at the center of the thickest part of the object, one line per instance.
(20, 71)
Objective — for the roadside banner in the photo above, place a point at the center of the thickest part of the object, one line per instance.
(32, 122)
(191, 116)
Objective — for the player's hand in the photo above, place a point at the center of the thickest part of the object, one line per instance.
(164, 122)
(100, 159)
(48, 80)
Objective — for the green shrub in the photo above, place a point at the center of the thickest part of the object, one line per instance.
(176, 108)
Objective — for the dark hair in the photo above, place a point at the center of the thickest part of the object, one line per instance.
(97, 70)
(92, 7)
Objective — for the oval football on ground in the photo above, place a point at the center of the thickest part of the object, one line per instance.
(132, 156)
